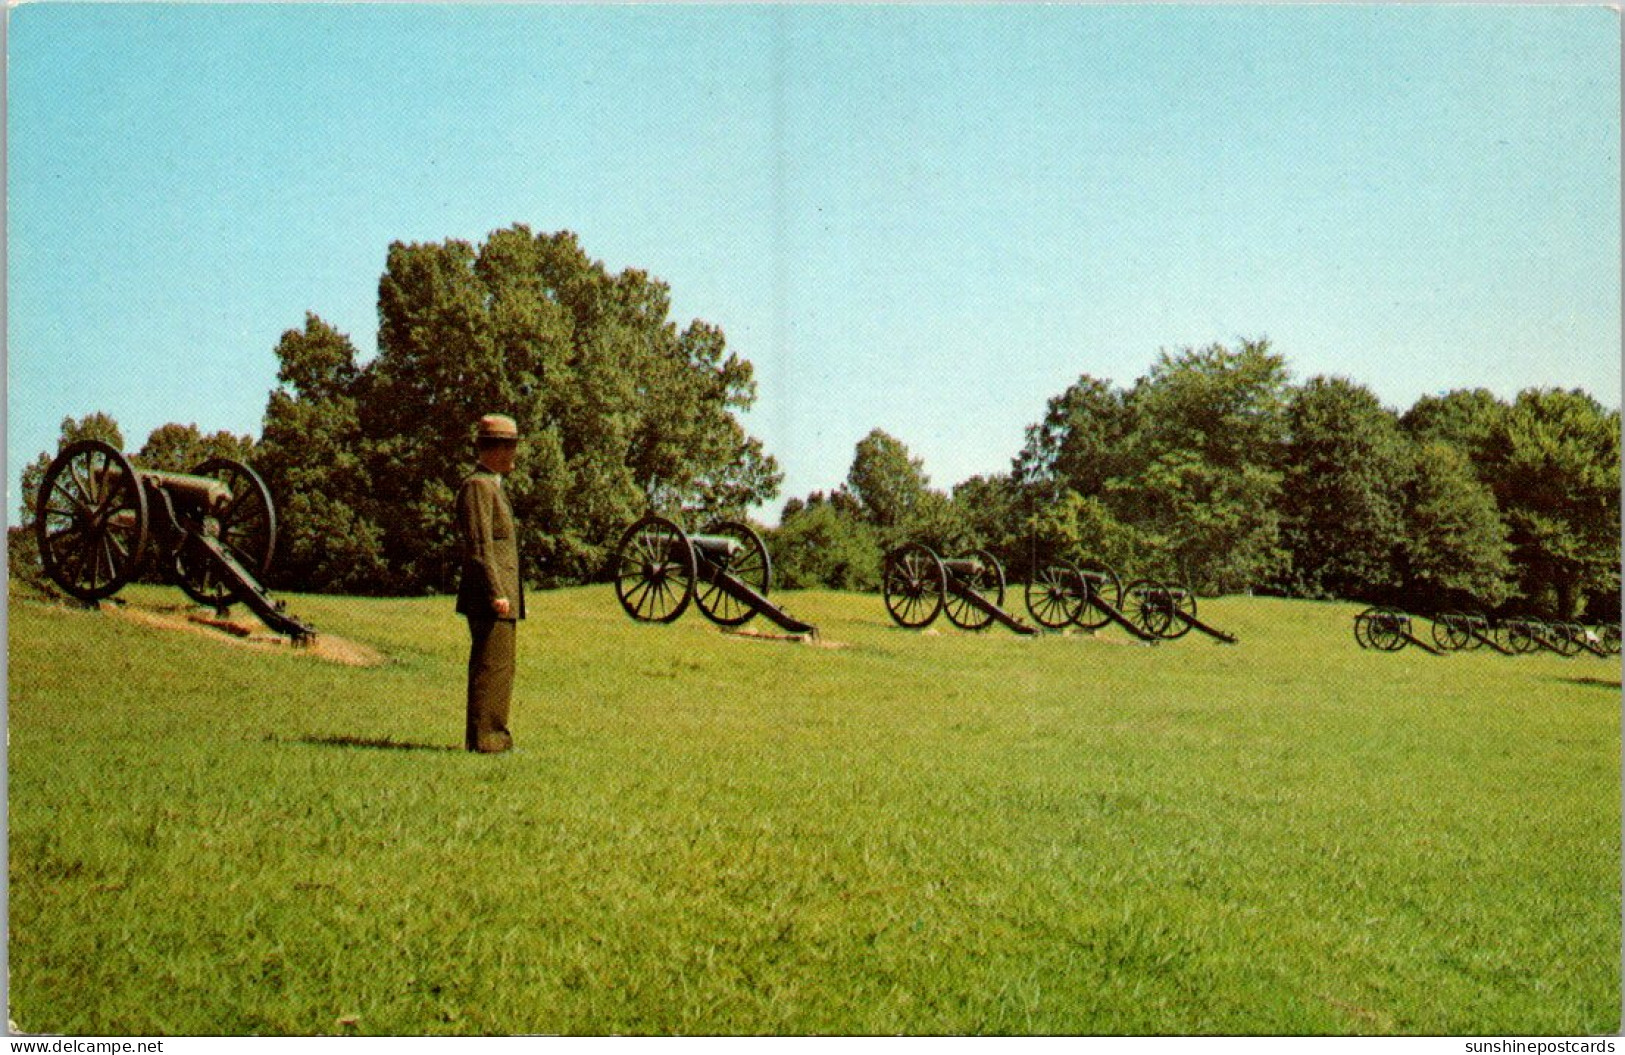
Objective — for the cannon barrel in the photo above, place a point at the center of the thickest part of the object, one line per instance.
(201, 491)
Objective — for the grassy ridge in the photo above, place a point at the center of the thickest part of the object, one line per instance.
(916, 833)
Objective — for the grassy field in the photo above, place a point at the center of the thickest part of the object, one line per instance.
(938, 833)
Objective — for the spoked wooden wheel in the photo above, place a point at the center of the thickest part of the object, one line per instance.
(1388, 628)
(1476, 627)
(1362, 628)
(1608, 635)
(1180, 602)
(1148, 604)
(1057, 594)
(1520, 636)
(1450, 632)
(1565, 638)
(90, 520)
(246, 528)
(749, 564)
(655, 570)
(1104, 588)
(915, 585)
(988, 581)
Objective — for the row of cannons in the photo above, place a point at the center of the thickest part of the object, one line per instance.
(1387, 629)
(725, 571)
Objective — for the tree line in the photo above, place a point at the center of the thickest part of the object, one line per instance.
(1213, 468)
(1216, 470)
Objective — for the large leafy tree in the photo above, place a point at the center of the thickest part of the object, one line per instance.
(1080, 442)
(888, 482)
(1553, 459)
(1344, 466)
(621, 412)
(314, 459)
(1204, 487)
(1455, 550)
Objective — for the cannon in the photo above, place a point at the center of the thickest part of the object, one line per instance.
(1091, 595)
(919, 585)
(1168, 611)
(659, 568)
(1088, 596)
(100, 522)
(1458, 631)
(1388, 629)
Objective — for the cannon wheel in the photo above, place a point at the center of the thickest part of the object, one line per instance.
(1386, 629)
(989, 582)
(750, 565)
(1450, 632)
(247, 530)
(655, 570)
(1567, 637)
(1057, 594)
(1181, 600)
(1101, 582)
(915, 585)
(1362, 626)
(1476, 621)
(1609, 636)
(1146, 604)
(90, 520)
(1520, 636)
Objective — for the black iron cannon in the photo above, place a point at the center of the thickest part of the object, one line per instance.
(660, 568)
(100, 522)
(1091, 595)
(919, 585)
(1388, 629)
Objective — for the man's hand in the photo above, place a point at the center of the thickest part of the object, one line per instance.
(501, 607)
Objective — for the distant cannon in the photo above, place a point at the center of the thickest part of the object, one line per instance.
(100, 521)
(660, 568)
(1168, 611)
(919, 585)
(1091, 595)
(1388, 629)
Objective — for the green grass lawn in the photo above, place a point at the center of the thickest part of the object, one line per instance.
(939, 833)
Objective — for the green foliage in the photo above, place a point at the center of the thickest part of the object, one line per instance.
(1178, 476)
(823, 543)
(621, 413)
(181, 448)
(1072, 527)
(312, 454)
(1554, 464)
(1465, 418)
(1344, 466)
(886, 480)
(1455, 552)
(1080, 443)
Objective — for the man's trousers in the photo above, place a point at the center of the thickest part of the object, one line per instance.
(490, 683)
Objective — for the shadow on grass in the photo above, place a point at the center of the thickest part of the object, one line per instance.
(384, 743)
(1595, 683)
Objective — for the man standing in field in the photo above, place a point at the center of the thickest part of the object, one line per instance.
(491, 594)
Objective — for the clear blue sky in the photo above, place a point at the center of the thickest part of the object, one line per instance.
(929, 220)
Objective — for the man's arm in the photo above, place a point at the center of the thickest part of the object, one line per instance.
(476, 508)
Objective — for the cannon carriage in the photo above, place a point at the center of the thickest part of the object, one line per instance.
(726, 571)
(101, 522)
(919, 585)
(1091, 596)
